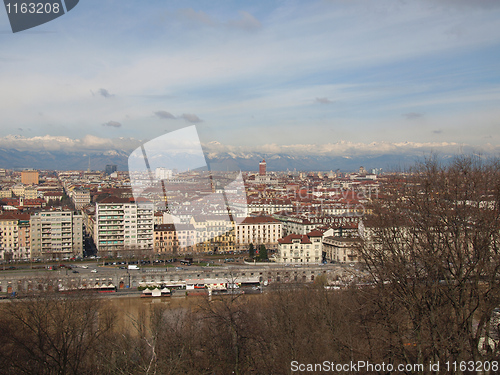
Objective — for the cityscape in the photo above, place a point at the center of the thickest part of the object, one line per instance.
(61, 215)
(249, 187)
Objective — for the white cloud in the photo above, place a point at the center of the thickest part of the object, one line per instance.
(61, 143)
(345, 148)
(340, 148)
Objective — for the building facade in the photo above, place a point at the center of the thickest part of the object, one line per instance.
(262, 230)
(14, 237)
(262, 168)
(30, 177)
(56, 234)
(302, 249)
(80, 198)
(341, 249)
(123, 224)
(174, 239)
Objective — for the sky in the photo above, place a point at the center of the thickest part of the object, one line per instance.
(328, 76)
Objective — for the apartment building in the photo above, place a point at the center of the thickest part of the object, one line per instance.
(14, 236)
(261, 230)
(56, 234)
(270, 205)
(303, 223)
(123, 224)
(300, 248)
(80, 198)
(172, 239)
(341, 249)
(30, 177)
(224, 243)
(214, 233)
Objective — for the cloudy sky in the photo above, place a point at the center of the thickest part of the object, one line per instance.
(265, 75)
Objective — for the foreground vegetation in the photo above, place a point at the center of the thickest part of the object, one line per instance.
(235, 334)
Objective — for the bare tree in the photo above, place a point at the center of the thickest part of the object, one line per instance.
(49, 334)
(431, 246)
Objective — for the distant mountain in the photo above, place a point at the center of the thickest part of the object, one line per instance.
(63, 160)
(283, 162)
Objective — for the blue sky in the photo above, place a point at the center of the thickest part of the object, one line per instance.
(316, 76)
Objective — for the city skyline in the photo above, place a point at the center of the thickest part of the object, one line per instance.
(322, 78)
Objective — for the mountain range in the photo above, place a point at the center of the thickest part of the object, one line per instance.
(66, 160)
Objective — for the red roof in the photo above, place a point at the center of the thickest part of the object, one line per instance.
(117, 200)
(315, 233)
(259, 220)
(304, 239)
(14, 216)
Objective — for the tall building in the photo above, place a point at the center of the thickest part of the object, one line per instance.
(262, 168)
(56, 234)
(123, 224)
(110, 168)
(29, 177)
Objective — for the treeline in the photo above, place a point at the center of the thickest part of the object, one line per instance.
(242, 335)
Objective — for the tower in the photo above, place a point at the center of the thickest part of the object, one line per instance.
(262, 168)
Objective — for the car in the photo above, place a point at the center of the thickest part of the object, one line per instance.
(75, 271)
(94, 271)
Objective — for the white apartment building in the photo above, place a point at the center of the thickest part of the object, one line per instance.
(163, 173)
(123, 224)
(261, 230)
(270, 206)
(303, 223)
(301, 248)
(208, 227)
(56, 234)
(27, 192)
(80, 198)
